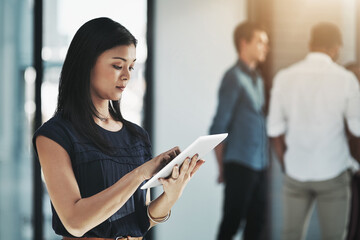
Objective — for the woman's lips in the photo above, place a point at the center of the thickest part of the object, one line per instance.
(120, 88)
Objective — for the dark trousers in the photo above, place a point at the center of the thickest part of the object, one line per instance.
(354, 225)
(245, 199)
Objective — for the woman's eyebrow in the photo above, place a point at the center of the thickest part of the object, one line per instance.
(123, 59)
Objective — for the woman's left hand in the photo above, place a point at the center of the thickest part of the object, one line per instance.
(175, 184)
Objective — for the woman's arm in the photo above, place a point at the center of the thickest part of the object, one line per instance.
(77, 214)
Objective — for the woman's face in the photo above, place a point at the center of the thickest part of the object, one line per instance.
(112, 72)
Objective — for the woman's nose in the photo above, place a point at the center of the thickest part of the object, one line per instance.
(125, 75)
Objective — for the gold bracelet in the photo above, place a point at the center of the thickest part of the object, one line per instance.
(161, 221)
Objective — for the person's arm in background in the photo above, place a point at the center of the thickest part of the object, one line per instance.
(279, 146)
(276, 122)
(352, 116)
(354, 146)
(219, 153)
(228, 96)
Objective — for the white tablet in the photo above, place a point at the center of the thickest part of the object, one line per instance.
(202, 145)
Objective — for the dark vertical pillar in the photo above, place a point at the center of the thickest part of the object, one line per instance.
(149, 71)
(148, 118)
(358, 31)
(260, 11)
(38, 65)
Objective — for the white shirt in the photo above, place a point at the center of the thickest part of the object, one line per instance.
(309, 103)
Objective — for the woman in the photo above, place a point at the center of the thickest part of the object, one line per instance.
(94, 161)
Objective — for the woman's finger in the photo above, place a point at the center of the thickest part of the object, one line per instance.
(167, 158)
(169, 155)
(173, 152)
(194, 159)
(175, 172)
(177, 150)
(162, 161)
(185, 166)
(197, 166)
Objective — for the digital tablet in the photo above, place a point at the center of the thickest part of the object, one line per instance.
(202, 145)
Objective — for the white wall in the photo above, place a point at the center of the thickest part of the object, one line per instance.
(193, 49)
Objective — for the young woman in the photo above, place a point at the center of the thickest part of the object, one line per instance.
(94, 161)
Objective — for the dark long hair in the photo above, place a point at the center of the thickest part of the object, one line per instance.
(74, 100)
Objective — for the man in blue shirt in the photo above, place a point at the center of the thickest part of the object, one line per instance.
(242, 158)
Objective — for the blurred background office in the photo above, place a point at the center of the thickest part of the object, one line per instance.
(184, 48)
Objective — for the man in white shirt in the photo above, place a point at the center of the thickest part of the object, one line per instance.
(310, 103)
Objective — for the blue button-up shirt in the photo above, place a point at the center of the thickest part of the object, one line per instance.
(240, 113)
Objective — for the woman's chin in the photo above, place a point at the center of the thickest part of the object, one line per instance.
(116, 98)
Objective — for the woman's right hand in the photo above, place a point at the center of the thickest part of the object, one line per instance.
(151, 167)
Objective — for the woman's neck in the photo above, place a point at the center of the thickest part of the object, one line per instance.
(102, 109)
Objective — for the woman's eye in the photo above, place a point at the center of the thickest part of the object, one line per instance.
(131, 68)
(117, 67)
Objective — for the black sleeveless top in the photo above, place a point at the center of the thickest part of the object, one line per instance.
(96, 171)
